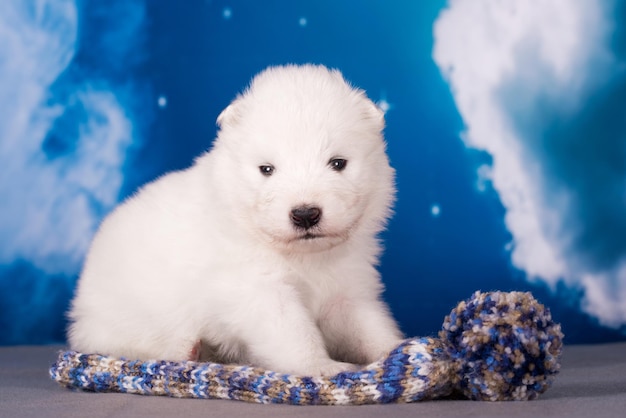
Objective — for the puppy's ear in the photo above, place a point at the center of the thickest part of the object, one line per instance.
(229, 116)
(374, 113)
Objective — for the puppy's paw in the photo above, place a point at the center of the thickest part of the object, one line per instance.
(331, 368)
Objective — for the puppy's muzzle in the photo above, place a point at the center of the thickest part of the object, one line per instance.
(305, 217)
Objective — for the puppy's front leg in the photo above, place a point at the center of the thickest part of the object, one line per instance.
(360, 331)
(281, 335)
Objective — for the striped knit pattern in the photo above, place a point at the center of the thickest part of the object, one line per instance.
(509, 356)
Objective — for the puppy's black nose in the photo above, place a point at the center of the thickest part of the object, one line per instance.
(306, 216)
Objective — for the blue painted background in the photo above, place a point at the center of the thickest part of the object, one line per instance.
(96, 98)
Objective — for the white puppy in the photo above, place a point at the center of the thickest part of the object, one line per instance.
(264, 250)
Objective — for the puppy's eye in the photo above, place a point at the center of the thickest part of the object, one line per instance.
(266, 169)
(338, 164)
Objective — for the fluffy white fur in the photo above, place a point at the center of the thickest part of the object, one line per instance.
(211, 254)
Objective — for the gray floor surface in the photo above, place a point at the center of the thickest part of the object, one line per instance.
(592, 383)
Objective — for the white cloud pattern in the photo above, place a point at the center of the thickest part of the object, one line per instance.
(535, 83)
(56, 180)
